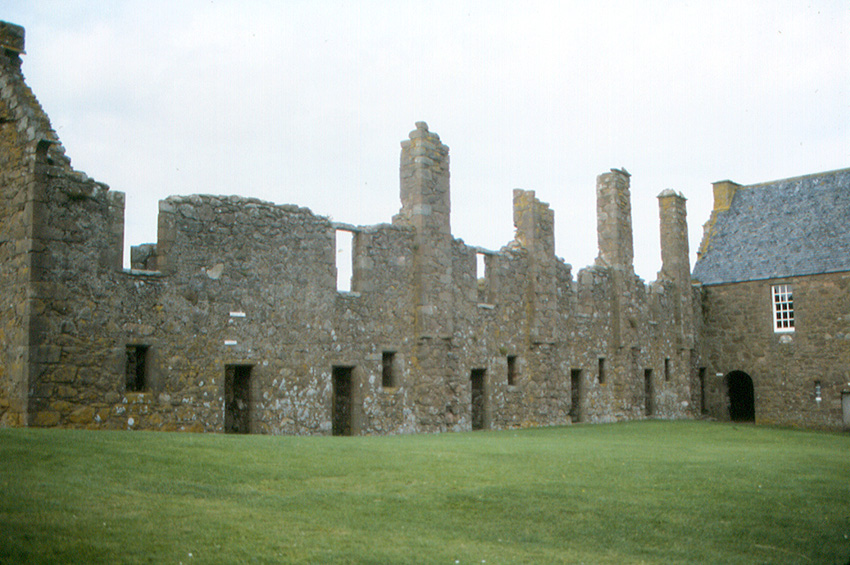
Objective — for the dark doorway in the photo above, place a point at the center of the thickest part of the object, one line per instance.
(741, 397)
(342, 404)
(479, 399)
(575, 395)
(648, 393)
(702, 405)
(237, 399)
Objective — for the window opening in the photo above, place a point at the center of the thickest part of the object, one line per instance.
(237, 399)
(388, 377)
(783, 308)
(135, 371)
(341, 408)
(478, 399)
(601, 373)
(702, 406)
(649, 393)
(576, 394)
(512, 371)
(480, 266)
(344, 260)
(667, 369)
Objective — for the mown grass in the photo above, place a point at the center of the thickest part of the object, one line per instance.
(642, 492)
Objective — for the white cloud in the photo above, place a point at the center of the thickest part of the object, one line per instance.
(306, 102)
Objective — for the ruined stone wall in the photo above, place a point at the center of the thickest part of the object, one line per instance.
(18, 142)
(784, 367)
(232, 320)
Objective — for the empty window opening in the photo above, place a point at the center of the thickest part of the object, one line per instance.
(135, 370)
(576, 395)
(601, 373)
(818, 395)
(783, 308)
(480, 266)
(237, 399)
(667, 369)
(344, 260)
(648, 393)
(702, 403)
(512, 370)
(342, 406)
(479, 399)
(388, 370)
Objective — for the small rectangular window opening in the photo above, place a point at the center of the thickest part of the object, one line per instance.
(344, 260)
(601, 370)
(388, 371)
(512, 370)
(783, 308)
(667, 369)
(135, 371)
(480, 266)
(648, 393)
(575, 395)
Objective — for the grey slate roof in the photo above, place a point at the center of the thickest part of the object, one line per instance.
(785, 228)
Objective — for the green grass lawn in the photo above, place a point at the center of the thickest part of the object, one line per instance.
(641, 492)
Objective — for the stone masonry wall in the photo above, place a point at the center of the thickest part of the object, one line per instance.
(232, 320)
(784, 367)
(18, 142)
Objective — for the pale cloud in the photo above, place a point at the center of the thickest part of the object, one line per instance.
(306, 102)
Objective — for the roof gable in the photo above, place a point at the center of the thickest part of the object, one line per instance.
(785, 228)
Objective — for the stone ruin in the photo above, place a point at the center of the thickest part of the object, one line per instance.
(232, 320)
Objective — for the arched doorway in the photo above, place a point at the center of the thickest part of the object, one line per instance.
(742, 406)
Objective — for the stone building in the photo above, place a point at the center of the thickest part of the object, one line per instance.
(232, 321)
(774, 266)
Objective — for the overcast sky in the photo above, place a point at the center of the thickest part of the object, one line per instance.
(305, 102)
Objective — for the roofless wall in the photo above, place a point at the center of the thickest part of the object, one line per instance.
(232, 321)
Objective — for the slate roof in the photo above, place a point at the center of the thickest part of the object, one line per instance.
(785, 228)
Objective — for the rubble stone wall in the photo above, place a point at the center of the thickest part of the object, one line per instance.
(784, 367)
(232, 321)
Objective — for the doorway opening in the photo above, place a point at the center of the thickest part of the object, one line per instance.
(576, 395)
(342, 401)
(237, 399)
(741, 397)
(479, 399)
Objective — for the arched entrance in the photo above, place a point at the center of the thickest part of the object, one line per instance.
(741, 397)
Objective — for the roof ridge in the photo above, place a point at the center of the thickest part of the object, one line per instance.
(797, 178)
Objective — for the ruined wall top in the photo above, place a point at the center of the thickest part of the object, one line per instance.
(614, 220)
(11, 38)
(424, 170)
(535, 224)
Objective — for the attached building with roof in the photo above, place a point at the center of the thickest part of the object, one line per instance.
(774, 270)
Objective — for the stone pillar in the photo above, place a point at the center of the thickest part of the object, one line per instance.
(724, 192)
(426, 206)
(675, 262)
(616, 249)
(535, 232)
(614, 220)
